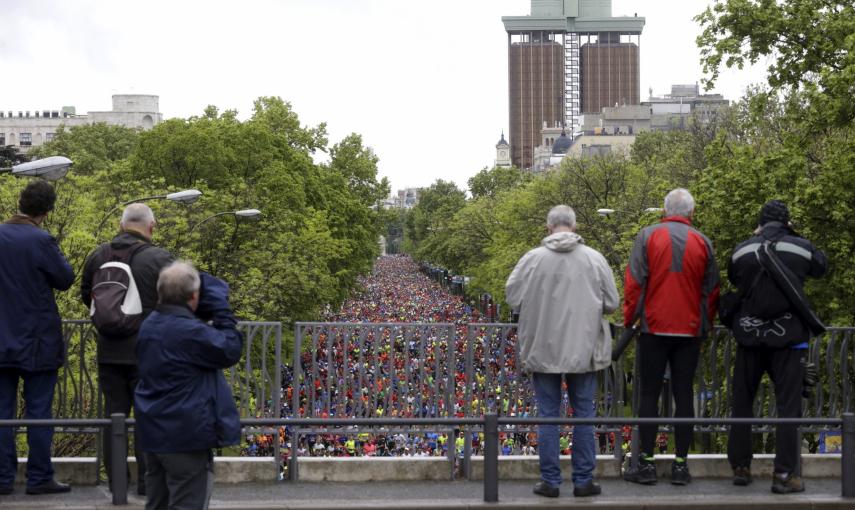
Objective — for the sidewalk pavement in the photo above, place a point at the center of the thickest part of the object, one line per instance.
(706, 494)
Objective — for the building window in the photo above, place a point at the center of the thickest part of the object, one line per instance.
(2, 138)
(26, 139)
(49, 136)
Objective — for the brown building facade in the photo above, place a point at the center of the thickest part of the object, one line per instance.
(609, 74)
(536, 86)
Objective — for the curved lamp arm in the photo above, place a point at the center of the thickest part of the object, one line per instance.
(183, 197)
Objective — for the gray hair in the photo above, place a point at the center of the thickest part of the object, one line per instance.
(137, 214)
(561, 215)
(679, 202)
(177, 283)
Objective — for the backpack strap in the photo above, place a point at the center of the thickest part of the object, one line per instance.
(125, 255)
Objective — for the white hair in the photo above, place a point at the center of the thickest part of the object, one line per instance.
(561, 215)
(137, 214)
(679, 202)
(177, 282)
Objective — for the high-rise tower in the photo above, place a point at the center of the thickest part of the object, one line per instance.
(567, 58)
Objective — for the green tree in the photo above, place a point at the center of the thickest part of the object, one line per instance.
(811, 44)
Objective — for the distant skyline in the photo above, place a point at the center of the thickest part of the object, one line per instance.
(425, 84)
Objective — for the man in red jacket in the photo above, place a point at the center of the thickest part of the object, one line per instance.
(671, 289)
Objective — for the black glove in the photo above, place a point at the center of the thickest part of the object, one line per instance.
(809, 378)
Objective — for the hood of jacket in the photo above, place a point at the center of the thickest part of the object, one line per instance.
(562, 241)
(127, 238)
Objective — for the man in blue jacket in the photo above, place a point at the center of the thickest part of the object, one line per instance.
(184, 405)
(31, 346)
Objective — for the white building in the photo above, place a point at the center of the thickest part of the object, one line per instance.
(26, 129)
(503, 153)
(613, 130)
(407, 198)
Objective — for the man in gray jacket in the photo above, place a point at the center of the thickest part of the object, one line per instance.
(562, 289)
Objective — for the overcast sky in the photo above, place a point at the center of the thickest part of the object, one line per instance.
(424, 83)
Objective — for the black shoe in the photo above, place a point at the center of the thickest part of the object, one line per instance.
(141, 489)
(742, 476)
(644, 474)
(680, 473)
(50, 487)
(544, 489)
(589, 489)
(6, 490)
(786, 483)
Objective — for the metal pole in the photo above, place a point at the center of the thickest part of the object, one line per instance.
(491, 458)
(119, 458)
(467, 453)
(847, 479)
(452, 451)
(635, 441)
(292, 460)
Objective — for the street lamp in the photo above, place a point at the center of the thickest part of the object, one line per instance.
(607, 212)
(187, 196)
(243, 213)
(52, 168)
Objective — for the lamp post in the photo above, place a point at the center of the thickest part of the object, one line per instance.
(608, 212)
(52, 168)
(187, 196)
(243, 213)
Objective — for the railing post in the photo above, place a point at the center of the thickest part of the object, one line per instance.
(847, 480)
(635, 437)
(293, 474)
(467, 453)
(119, 458)
(491, 458)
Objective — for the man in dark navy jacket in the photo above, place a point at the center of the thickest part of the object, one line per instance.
(772, 338)
(184, 405)
(31, 346)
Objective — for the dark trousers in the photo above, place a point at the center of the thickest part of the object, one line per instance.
(785, 369)
(118, 383)
(655, 351)
(38, 397)
(179, 481)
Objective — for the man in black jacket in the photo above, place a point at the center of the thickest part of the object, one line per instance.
(117, 359)
(772, 338)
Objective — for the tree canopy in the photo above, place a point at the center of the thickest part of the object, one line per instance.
(317, 231)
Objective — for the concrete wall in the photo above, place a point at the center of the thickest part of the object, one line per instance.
(83, 470)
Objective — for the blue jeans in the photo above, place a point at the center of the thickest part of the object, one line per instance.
(547, 392)
(38, 396)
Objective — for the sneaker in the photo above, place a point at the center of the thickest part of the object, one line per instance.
(644, 474)
(546, 490)
(680, 473)
(49, 487)
(742, 476)
(5, 490)
(589, 489)
(786, 483)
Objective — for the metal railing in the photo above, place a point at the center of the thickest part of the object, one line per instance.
(438, 370)
(490, 423)
(473, 369)
(256, 381)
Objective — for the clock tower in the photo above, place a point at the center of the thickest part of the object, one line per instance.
(503, 153)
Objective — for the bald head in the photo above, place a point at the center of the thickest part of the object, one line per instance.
(139, 218)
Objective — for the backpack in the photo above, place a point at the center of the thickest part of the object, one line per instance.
(116, 309)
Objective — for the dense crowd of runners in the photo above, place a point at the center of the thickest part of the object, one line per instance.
(382, 371)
